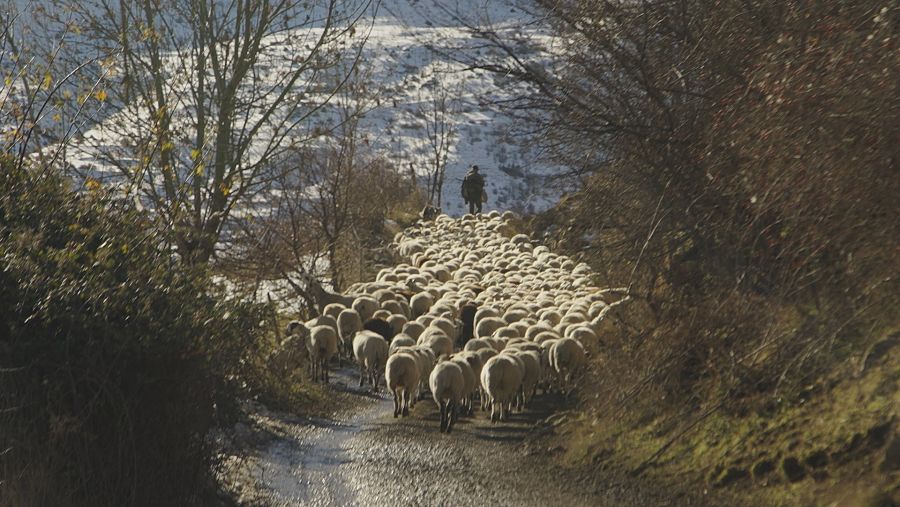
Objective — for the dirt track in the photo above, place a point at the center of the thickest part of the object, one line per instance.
(369, 458)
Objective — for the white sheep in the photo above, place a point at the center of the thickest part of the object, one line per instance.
(333, 309)
(447, 385)
(477, 343)
(413, 329)
(487, 326)
(501, 378)
(348, 324)
(476, 364)
(366, 306)
(402, 376)
(420, 303)
(401, 340)
(322, 345)
(371, 352)
(566, 358)
(531, 375)
(470, 383)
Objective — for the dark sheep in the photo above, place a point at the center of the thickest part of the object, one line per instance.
(467, 316)
(381, 327)
(430, 212)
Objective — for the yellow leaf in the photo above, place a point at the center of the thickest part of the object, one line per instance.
(8, 81)
(199, 170)
(100, 95)
(124, 249)
(195, 154)
(167, 146)
(57, 117)
(47, 82)
(225, 190)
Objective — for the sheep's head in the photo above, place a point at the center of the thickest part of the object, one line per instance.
(296, 328)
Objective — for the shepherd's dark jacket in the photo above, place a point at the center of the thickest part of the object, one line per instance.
(472, 186)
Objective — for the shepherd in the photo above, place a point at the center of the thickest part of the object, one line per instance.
(473, 192)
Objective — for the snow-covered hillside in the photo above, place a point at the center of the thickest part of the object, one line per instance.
(412, 52)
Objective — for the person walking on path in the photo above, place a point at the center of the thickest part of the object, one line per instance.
(473, 190)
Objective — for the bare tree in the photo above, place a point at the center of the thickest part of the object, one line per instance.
(328, 215)
(438, 110)
(205, 95)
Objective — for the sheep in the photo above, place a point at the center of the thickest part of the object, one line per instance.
(420, 303)
(413, 329)
(515, 314)
(366, 306)
(295, 326)
(447, 384)
(447, 326)
(583, 334)
(371, 351)
(467, 330)
(381, 327)
(506, 332)
(439, 343)
(531, 375)
(536, 329)
(384, 295)
(474, 363)
(397, 322)
(323, 320)
(291, 352)
(401, 340)
(402, 378)
(484, 312)
(348, 323)
(381, 314)
(394, 307)
(566, 358)
(333, 309)
(323, 297)
(487, 326)
(322, 345)
(501, 378)
(470, 381)
(476, 344)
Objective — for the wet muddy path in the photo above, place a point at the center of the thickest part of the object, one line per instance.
(368, 457)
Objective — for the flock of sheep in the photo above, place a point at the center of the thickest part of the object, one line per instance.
(473, 314)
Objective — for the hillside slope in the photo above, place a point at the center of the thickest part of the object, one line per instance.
(413, 52)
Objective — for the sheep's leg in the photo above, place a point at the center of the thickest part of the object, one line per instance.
(397, 401)
(406, 393)
(451, 414)
(361, 373)
(443, 414)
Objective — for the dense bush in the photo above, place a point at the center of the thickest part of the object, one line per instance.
(740, 171)
(115, 360)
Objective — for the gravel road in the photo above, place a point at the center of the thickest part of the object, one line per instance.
(366, 457)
